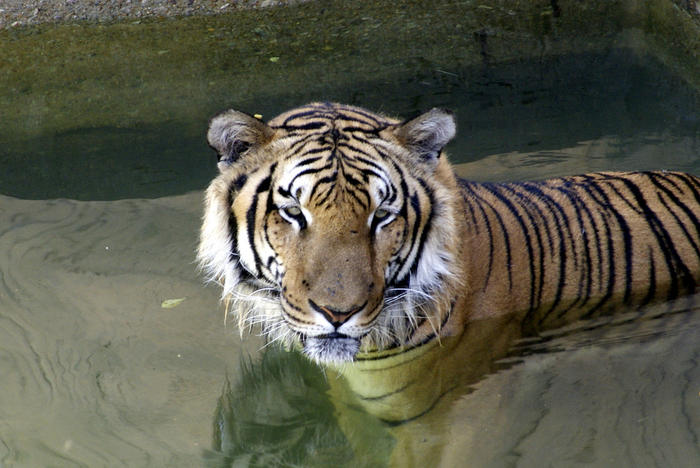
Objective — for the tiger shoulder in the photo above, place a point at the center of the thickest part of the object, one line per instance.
(347, 234)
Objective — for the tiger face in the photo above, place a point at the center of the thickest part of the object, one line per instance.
(332, 227)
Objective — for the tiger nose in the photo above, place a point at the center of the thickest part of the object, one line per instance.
(333, 316)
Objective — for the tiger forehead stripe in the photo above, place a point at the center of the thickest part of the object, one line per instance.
(347, 119)
(346, 161)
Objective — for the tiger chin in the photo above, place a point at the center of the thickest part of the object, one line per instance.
(346, 234)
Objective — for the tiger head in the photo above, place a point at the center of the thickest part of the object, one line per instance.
(334, 228)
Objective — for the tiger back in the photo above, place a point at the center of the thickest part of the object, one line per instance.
(346, 234)
(575, 247)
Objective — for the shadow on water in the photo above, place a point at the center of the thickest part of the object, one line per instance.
(108, 163)
(524, 107)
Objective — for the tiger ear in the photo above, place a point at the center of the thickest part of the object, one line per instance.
(427, 134)
(232, 133)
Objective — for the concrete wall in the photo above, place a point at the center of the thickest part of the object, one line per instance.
(57, 77)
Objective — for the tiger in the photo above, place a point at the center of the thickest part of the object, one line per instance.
(347, 235)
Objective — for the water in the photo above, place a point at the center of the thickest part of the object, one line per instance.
(101, 227)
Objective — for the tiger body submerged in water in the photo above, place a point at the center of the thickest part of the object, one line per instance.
(348, 233)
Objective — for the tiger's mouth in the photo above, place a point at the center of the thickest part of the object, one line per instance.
(331, 348)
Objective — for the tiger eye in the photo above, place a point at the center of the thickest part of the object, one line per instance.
(293, 211)
(381, 213)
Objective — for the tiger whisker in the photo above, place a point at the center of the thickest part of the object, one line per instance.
(410, 293)
(274, 328)
(268, 324)
(279, 338)
(429, 318)
(255, 299)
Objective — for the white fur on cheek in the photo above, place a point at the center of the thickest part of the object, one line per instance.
(436, 262)
(220, 262)
(215, 247)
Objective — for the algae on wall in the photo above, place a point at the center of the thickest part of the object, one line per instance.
(59, 77)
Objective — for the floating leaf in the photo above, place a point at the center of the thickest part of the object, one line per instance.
(170, 303)
(274, 59)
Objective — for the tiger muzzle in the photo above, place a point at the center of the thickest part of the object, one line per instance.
(336, 317)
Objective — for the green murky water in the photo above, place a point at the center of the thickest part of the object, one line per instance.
(98, 226)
